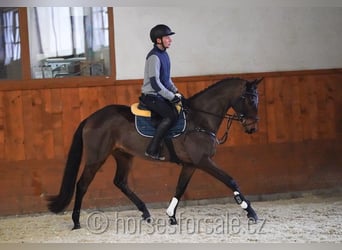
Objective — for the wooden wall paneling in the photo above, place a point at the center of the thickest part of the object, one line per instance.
(296, 121)
(107, 96)
(270, 110)
(56, 121)
(9, 181)
(312, 92)
(338, 105)
(2, 127)
(278, 105)
(14, 129)
(71, 116)
(283, 109)
(336, 97)
(121, 94)
(325, 108)
(318, 123)
(183, 87)
(30, 131)
(237, 135)
(38, 135)
(48, 124)
(88, 101)
(133, 94)
(192, 88)
(306, 107)
(126, 95)
(47, 147)
(322, 164)
(288, 96)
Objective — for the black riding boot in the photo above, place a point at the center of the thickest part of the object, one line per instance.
(154, 147)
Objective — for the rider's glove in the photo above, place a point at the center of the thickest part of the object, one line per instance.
(176, 99)
(180, 96)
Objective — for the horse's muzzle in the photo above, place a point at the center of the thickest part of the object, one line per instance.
(251, 130)
(250, 126)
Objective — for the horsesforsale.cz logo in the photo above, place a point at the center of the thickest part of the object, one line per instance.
(98, 223)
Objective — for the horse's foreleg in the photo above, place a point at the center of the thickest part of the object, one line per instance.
(207, 165)
(124, 163)
(183, 181)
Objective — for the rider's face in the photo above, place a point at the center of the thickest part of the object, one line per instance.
(165, 41)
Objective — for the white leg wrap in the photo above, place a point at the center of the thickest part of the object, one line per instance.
(244, 205)
(171, 209)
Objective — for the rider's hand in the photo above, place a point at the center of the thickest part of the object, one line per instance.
(180, 96)
(176, 99)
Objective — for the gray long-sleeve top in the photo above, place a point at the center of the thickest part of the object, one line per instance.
(157, 80)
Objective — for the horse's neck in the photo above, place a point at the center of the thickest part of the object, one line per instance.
(210, 107)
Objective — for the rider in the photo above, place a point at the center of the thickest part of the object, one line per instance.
(159, 93)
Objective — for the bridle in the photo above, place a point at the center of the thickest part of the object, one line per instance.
(241, 117)
(230, 118)
(236, 117)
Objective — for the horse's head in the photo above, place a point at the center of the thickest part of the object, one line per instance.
(246, 106)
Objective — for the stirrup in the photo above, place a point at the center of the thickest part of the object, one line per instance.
(155, 156)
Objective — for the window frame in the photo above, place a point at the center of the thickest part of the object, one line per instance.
(27, 82)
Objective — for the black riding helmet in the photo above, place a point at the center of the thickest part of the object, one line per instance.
(159, 31)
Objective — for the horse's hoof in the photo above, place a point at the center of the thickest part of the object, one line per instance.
(147, 217)
(252, 218)
(76, 226)
(173, 220)
(251, 214)
(148, 220)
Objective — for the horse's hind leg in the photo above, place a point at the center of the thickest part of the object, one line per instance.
(183, 181)
(124, 163)
(81, 188)
(207, 165)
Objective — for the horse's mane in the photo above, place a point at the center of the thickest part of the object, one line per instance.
(225, 80)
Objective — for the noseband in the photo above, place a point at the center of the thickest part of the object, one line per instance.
(236, 117)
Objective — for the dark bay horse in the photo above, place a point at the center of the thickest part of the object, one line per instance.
(111, 131)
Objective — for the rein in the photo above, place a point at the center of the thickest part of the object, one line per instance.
(230, 118)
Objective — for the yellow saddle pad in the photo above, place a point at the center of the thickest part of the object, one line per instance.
(147, 113)
(140, 112)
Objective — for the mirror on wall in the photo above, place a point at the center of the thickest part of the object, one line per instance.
(10, 48)
(68, 41)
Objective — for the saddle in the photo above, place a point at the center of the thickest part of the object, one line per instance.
(146, 121)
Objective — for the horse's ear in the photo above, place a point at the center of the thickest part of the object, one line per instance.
(257, 81)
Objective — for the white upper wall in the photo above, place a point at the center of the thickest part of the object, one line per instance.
(223, 40)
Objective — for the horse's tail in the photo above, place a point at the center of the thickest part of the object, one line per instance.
(59, 202)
